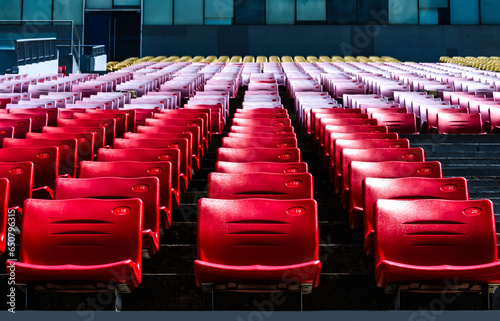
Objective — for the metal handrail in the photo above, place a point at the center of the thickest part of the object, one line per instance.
(75, 49)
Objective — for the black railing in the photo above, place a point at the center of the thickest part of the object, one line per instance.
(30, 51)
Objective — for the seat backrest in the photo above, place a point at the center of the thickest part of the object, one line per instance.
(181, 144)
(262, 122)
(6, 132)
(20, 176)
(21, 126)
(432, 112)
(85, 141)
(99, 133)
(4, 204)
(375, 188)
(52, 113)
(435, 232)
(245, 155)
(253, 143)
(67, 150)
(193, 146)
(37, 120)
(109, 124)
(261, 135)
(171, 155)
(160, 169)
(193, 130)
(261, 167)
(376, 155)
(45, 160)
(260, 185)
(396, 122)
(262, 129)
(338, 119)
(494, 114)
(131, 113)
(67, 232)
(121, 120)
(459, 123)
(257, 231)
(145, 188)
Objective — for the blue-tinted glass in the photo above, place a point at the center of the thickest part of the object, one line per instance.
(68, 10)
(11, 10)
(37, 10)
(429, 16)
(188, 12)
(311, 10)
(129, 3)
(490, 10)
(158, 12)
(280, 12)
(464, 12)
(433, 4)
(342, 12)
(219, 12)
(99, 4)
(372, 12)
(403, 12)
(250, 12)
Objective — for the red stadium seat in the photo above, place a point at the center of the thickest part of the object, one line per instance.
(131, 116)
(173, 121)
(257, 122)
(21, 126)
(405, 188)
(396, 122)
(324, 122)
(172, 155)
(193, 130)
(109, 124)
(52, 113)
(251, 244)
(4, 203)
(85, 144)
(436, 240)
(20, 176)
(121, 120)
(459, 123)
(261, 167)
(98, 132)
(261, 135)
(67, 150)
(132, 169)
(245, 155)
(146, 189)
(260, 185)
(261, 129)
(494, 120)
(81, 244)
(253, 143)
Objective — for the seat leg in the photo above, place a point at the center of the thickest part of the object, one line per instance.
(29, 296)
(301, 301)
(209, 288)
(397, 299)
(118, 300)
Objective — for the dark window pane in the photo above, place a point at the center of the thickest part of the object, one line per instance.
(250, 12)
(311, 10)
(372, 11)
(342, 12)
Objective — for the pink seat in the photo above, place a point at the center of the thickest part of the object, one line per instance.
(251, 244)
(268, 142)
(4, 204)
(261, 167)
(396, 122)
(459, 123)
(261, 129)
(415, 187)
(245, 155)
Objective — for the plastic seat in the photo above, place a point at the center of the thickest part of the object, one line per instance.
(245, 155)
(397, 122)
(494, 114)
(118, 115)
(251, 244)
(6, 132)
(173, 121)
(431, 116)
(341, 144)
(198, 145)
(43, 158)
(52, 113)
(406, 188)
(260, 185)
(97, 132)
(4, 203)
(145, 188)
(172, 155)
(321, 133)
(37, 121)
(255, 143)
(20, 176)
(372, 155)
(109, 124)
(262, 122)
(453, 240)
(193, 113)
(21, 126)
(131, 169)
(261, 129)
(459, 123)
(81, 245)
(261, 167)
(181, 144)
(67, 150)
(261, 135)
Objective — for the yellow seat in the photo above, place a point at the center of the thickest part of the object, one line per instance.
(286, 59)
(236, 59)
(299, 59)
(261, 59)
(274, 59)
(249, 59)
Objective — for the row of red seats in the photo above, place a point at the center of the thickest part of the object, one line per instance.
(421, 228)
(258, 228)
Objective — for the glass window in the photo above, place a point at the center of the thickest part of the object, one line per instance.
(219, 12)
(11, 10)
(37, 10)
(433, 3)
(99, 4)
(342, 12)
(311, 10)
(372, 12)
(250, 12)
(429, 16)
(490, 10)
(403, 12)
(128, 3)
(188, 12)
(280, 12)
(158, 12)
(464, 12)
(69, 10)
